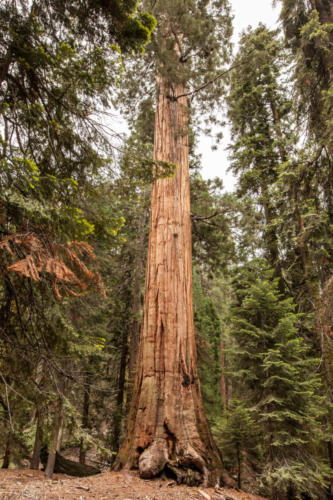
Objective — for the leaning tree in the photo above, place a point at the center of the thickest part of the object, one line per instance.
(167, 427)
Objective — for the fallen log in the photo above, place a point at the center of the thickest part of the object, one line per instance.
(69, 467)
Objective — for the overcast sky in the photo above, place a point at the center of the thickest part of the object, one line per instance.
(247, 13)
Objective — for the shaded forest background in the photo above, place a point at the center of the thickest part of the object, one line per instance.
(74, 218)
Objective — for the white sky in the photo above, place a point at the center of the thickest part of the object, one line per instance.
(247, 13)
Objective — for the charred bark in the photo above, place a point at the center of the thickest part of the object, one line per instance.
(167, 424)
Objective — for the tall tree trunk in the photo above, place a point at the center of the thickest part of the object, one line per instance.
(118, 411)
(166, 423)
(85, 417)
(6, 458)
(330, 456)
(325, 10)
(239, 468)
(134, 334)
(272, 241)
(56, 433)
(35, 459)
(223, 385)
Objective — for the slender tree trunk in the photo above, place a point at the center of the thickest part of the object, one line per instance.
(223, 385)
(35, 459)
(39, 417)
(60, 434)
(134, 338)
(166, 423)
(134, 334)
(6, 458)
(272, 241)
(85, 417)
(325, 10)
(56, 433)
(118, 412)
(330, 456)
(5, 65)
(239, 471)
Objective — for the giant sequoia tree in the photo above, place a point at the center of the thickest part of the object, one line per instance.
(167, 425)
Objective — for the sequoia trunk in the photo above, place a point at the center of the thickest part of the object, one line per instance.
(166, 424)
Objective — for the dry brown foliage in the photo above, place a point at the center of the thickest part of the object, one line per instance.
(64, 264)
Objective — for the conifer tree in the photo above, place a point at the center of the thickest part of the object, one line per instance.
(279, 381)
(166, 421)
(59, 61)
(258, 106)
(238, 434)
(308, 31)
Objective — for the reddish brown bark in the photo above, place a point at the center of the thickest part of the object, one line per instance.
(166, 423)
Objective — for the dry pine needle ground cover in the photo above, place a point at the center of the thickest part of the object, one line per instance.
(31, 484)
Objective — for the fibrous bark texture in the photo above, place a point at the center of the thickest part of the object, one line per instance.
(166, 424)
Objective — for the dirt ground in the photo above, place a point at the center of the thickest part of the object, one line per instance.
(31, 484)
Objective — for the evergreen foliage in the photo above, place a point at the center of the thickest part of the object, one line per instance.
(208, 336)
(280, 381)
(74, 229)
(238, 435)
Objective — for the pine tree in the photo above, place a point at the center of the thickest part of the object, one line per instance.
(259, 109)
(59, 62)
(280, 382)
(308, 30)
(238, 435)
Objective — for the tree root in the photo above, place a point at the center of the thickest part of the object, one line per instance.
(187, 468)
(153, 459)
(184, 475)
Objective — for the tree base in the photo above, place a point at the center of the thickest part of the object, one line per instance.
(183, 464)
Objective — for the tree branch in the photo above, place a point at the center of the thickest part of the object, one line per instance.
(220, 75)
(195, 217)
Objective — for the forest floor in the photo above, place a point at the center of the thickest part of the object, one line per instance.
(26, 483)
